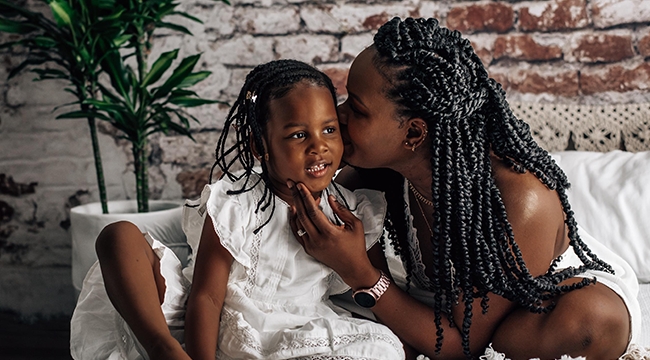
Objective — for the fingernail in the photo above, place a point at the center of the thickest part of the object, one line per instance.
(333, 198)
(290, 184)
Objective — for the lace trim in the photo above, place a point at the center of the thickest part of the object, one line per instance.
(228, 320)
(600, 128)
(255, 252)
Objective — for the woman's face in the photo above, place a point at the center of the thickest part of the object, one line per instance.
(303, 139)
(372, 134)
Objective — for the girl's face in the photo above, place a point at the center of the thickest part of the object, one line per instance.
(303, 139)
(372, 134)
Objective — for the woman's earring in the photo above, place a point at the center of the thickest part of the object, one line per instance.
(266, 157)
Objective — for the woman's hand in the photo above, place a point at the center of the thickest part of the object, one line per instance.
(341, 247)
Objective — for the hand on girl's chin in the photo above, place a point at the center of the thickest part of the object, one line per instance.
(292, 185)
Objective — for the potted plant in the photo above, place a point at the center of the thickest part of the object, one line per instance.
(112, 37)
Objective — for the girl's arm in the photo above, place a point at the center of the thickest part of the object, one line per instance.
(208, 292)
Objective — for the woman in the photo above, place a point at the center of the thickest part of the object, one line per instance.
(478, 214)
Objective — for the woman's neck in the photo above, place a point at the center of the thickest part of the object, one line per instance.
(417, 170)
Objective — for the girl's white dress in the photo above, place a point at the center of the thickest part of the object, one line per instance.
(276, 305)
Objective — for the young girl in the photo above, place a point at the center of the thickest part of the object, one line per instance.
(255, 292)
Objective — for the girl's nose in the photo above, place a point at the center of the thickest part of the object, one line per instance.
(318, 145)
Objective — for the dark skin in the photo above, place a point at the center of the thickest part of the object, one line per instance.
(375, 136)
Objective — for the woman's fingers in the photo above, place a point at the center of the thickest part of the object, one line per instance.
(342, 212)
(300, 203)
(295, 227)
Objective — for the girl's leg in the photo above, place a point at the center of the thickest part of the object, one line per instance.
(135, 286)
(592, 322)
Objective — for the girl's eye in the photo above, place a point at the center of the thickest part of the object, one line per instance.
(330, 130)
(299, 135)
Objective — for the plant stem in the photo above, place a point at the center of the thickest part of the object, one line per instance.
(141, 181)
(98, 165)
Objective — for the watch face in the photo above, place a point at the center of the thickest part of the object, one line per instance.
(364, 300)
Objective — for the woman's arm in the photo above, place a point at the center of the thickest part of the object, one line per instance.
(208, 292)
(533, 214)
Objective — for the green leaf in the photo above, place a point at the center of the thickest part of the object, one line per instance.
(104, 105)
(159, 67)
(180, 73)
(186, 101)
(187, 16)
(82, 115)
(174, 27)
(44, 41)
(15, 27)
(63, 13)
(24, 64)
(121, 40)
(194, 78)
(114, 67)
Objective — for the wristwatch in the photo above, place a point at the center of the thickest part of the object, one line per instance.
(368, 298)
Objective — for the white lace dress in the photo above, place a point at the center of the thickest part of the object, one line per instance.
(276, 304)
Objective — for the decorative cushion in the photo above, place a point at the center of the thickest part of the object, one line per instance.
(610, 196)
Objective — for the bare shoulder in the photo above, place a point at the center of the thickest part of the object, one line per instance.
(535, 214)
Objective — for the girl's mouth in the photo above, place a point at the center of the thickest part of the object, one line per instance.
(318, 170)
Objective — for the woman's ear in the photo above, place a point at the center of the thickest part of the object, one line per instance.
(416, 133)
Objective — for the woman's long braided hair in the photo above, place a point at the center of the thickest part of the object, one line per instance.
(248, 118)
(435, 75)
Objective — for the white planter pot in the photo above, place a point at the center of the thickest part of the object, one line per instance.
(163, 222)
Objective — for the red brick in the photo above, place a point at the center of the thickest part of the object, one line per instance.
(339, 79)
(556, 16)
(615, 78)
(374, 22)
(533, 81)
(484, 52)
(524, 47)
(603, 48)
(493, 17)
(644, 46)
(192, 182)
(501, 79)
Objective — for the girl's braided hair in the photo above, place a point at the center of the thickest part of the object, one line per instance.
(248, 118)
(434, 74)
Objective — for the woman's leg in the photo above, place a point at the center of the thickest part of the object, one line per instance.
(135, 286)
(592, 322)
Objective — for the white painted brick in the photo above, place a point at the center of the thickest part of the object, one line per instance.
(319, 19)
(23, 91)
(220, 20)
(183, 151)
(353, 16)
(352, 45)
(608, 13)
(311, 49)
(272, 21)
(434, 9)
(244, 50)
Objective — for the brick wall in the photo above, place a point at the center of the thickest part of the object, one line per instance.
(569, 51)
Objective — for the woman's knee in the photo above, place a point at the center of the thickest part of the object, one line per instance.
(596, 323)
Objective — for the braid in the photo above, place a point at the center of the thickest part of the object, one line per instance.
(434, 74)
(248, 117)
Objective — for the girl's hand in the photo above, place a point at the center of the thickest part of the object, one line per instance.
(341, 247)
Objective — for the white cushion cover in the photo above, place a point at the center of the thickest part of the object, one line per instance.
(610, 195)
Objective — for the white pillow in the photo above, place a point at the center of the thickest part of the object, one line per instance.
(610, 196)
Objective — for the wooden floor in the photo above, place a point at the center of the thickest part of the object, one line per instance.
(20, 340)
